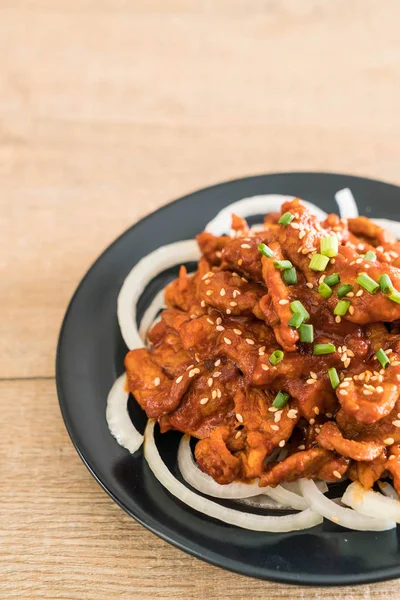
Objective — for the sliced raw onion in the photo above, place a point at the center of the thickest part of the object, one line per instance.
(370, 503)
(346, 203)
(255, 205)
(140, 276)
(392, 226)
(284, 496)
(294, 522)
(118, 419)
(263, 502)
(150, 314)
(336, 513)
(294, 486)
(388, 490)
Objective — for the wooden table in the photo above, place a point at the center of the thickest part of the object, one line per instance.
(108, 109)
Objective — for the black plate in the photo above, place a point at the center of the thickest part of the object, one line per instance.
(90, 357)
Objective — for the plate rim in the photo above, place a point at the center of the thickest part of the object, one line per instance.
(268, 574)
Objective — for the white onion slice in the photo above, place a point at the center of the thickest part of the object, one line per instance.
(294, 522)
(118, 419)
(388, 490)
(294, 486)
(263, 502)
(140, 276)
(370, 503)
(346, 203)
(150, 314)
(255, 205)
(284, 496)
(336, 513)
(392, 226)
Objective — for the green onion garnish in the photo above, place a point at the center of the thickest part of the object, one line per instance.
(368, 283)
(370, 256)
(341, 308)
(395, 296)
(332, 280)
(324, 349)
(280, 400)
(296, 320)
(334, 377)
(290, 276)
(276, 357)
(282, 264)
(385, 284)
(319, 262)
(286, 219)
(344, 289)
(266, 250)
(329, 246)
(325, 290)
(297, 307)
(306, 333)
(383, 358)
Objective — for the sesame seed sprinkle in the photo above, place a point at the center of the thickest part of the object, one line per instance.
(396, 423)
(204, 401)
(222, 292)
(275, 427)
(157, 381)
(336, 474)
(179, 379)
(227, 341)
(282, 443)
(220, 328)
(250, 341)
(389, 441)
(210, 381)
(301, 447)
(239, 418)
(283, 301)
(265, 367)
(237, 331)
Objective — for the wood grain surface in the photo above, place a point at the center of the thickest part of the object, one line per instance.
(108, 109)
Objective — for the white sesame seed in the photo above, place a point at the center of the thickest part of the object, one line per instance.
(321, 279)
(389, 441)
(227, 341)
(204, 401)
(222, 292)
(312, 421)
(250, 342)
(272, 409)
(207, 281)
(302, 234)
(395, 363)
(301, 447)
(239, 418)
(232, 303)
(202, 304)
(157, 381)
(275, 427)
(396, 423)
(360, 293)
(194, 372)
(179, 379)
(344, 384)
(310, 285)
(245, 246)
(359, 261)
(337, 474)
(338, 319)
(313, 375)
(350, 295)
(210, 381)
(216, 373)
(282, 443)
(193, 316)
(219, 393)
(353, 262)
(316, 410)
(310, 381)
(218, 321)
(228, 311)
(283, 301)
(391, 457)
(220, 328)
(350, 353)
(329, 415)
(209, 292)
(237, 331)
(217, 363)
(398, 376)
(351, 310)
(389, 351)
(261, 350)
(265, 367)
(346, 363)
(240, 262)
(343, 393)
(379, 389)
(214, 394)
(209, 321)
(367, 392)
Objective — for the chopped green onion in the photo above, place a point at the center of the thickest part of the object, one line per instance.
(329, 246)
(334, 377)
(332, 280)
(276, 357)
(370, 256)
(385, 284)
(290, 276)
(383, 358)
(319, 262)
(325, 290)
(368, 283)
(307, 333)
(341, 308)
(297, 307)
(395, 296)
(296, 320)
(282, 264)
(281, 400)
(324, 349)
(266, 250)
(344, 289)
(286, 219)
